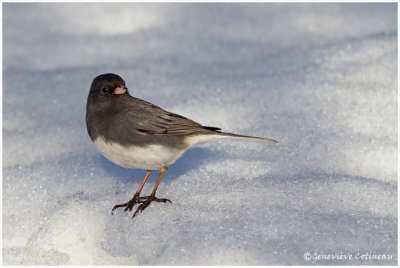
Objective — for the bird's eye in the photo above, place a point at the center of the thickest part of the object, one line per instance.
(104, 89)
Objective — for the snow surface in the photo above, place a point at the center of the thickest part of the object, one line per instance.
(319, 78)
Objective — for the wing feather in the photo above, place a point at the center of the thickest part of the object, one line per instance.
(152, 119)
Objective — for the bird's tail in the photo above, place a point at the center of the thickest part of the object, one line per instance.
(247, 138)
(213, 133)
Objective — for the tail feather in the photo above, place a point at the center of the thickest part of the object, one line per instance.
(213, 128)
(216, 135)
(247, 138)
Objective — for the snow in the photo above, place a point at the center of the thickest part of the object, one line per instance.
(319, 78)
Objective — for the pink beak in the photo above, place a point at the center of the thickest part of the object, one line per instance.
(120, 90)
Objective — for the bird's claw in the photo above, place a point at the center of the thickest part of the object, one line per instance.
(130, 204)
(144, 201)
(149, 199)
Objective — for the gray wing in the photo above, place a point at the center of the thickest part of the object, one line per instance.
(152, 119)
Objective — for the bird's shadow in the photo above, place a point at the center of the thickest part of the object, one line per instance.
(191, 159)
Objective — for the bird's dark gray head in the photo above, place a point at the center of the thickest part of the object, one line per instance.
(107, 85)
(107, 97)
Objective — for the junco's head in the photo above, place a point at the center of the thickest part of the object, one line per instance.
(106, 85)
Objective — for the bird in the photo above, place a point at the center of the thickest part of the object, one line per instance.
(134, 133)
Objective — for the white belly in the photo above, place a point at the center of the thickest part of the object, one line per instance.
(151, 157)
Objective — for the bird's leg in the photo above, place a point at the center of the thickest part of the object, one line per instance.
(152, 197)
(136, 198)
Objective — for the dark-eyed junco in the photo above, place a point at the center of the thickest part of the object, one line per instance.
(134, 133)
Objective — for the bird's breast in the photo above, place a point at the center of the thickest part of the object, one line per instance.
(148, 157)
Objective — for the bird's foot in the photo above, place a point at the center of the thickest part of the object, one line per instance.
(147, 202)
(144, 201)
(130, 204)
